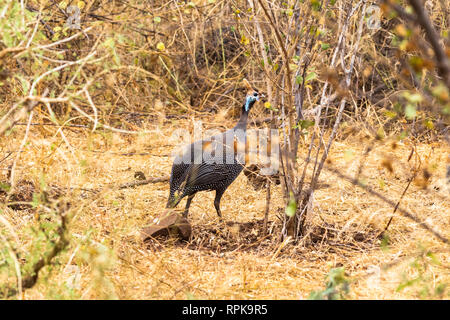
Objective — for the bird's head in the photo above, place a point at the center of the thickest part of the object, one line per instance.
(250, 100)
(252, 96)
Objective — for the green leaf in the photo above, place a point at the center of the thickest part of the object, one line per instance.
(7, 39)
(83, 163)
(402, 135)
(406, 284)
(324, 46)
(441, 92)
(315, 5)
(291, 208)
(109, 42)
(410, 111)
(390, 114)
(310, 76)
(429, 124)
(299, 80)
(415, 98)
(160, 46)
(337, 286)
(292, 66)
(5, 187)
(305, 124)
(440, 289)
(433, 258)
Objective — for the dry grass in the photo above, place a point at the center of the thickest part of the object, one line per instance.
(117, 74)
(223, 260)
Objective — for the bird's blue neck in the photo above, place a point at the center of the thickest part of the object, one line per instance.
(247, 104)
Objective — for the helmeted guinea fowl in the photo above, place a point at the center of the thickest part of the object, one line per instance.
(213, 163)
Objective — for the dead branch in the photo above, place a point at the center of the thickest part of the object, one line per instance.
(433, 38)
(421, 18)
(29, 280)
(143, 182)
(15, 114)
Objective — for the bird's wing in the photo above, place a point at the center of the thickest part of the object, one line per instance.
(178, 170)
(202, 166)
(181, 164)
(208, 173)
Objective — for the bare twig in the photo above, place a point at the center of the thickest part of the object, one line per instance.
(16, 113)
(266, 212)
(399, 200)
(30, 279)
(143, 182)
(421, 17)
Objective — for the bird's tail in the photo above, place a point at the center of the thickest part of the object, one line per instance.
(189, 180)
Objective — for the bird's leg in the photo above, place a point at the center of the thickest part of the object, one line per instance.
(188, 204)
(217, 203)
